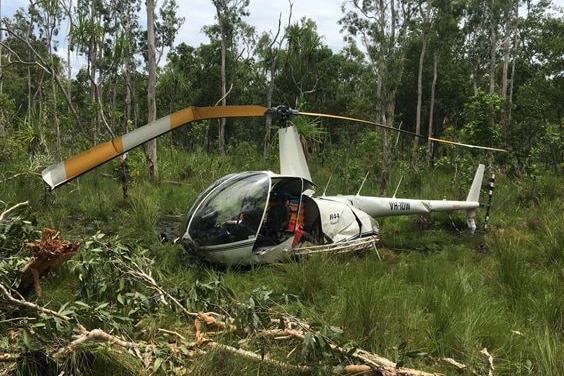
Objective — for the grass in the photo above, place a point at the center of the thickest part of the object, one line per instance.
(436, 292)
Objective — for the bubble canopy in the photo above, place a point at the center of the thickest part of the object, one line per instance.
(231, 210)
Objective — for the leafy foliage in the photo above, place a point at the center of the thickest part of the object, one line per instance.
(434, 293)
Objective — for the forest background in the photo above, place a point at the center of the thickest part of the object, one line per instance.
(475, 71)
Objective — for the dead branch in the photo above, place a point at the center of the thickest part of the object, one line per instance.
(209, 320)
(24, 303)
(488, 356)
(257, 357)
(353, 369)
(383, 365)
(171, 332)
(96, 335)
(225, 95)
(7, 211)
(459, 366)
(9, 358)
(148, 278)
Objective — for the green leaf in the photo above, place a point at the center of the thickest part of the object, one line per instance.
(157, 364)
(82, 304)
(26, 339)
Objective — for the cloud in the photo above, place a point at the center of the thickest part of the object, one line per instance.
(264, 17)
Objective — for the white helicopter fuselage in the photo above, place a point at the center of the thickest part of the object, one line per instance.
(263, 217)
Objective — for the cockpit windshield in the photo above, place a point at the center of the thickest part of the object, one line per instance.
(232, 211)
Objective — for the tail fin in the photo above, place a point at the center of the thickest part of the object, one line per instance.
(474, 194)
(292, 158)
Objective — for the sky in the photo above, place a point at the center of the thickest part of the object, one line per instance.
(264, 15)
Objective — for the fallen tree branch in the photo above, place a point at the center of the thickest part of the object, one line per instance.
(7, 211)
(24, 303)
(9, 358)
(459, 366)
(376, 362)
(96, 335)
(488, 356)
(257, 357)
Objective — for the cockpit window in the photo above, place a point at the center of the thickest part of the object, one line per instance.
(232, 212)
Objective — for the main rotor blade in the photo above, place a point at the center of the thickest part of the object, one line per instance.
(60, 173)
(467, 145)
(339, 117)
(439, 140)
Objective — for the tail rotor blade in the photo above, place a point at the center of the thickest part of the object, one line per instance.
(60, 173)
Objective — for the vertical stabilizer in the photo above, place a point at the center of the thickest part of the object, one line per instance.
(474, 194)
(292, 158)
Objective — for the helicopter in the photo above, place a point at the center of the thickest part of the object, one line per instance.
(261, 217)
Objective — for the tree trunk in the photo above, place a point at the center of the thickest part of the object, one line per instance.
(151, 87)
(222, 121)
(126, 121)
(2, 126)
(431, 109)
(424, 36)
(270, 90)
(505, 73)
(92, 61)
(510, 96)
(268, 122)
(493, 42)
(420, 90)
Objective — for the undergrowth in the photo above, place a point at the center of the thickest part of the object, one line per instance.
(432, 291)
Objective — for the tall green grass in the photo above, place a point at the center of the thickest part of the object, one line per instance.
(437, 292)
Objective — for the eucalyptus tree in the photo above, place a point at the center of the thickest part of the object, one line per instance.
(160, 34)
(435, 60)
(269, 49)
(122, 53)
(30, 55)
(231, 31)
(444, 39)
(425, 11)
(535, 135)
(151, 86)
(381, 27)
(48, 15)
(2, 118)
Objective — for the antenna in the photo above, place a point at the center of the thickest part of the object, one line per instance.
(363, 181)
(489, 205)
(396, 191)
(327, 185)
